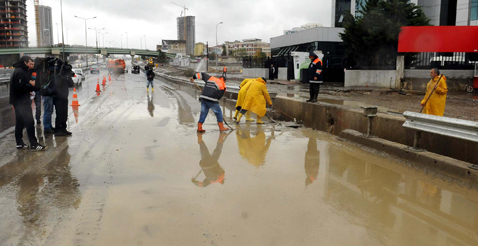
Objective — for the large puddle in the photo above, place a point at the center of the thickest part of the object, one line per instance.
(135, 172)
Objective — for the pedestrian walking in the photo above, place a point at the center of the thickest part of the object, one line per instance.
(150, 77)
(21, 87)
(63, 82)
(315, 76)
(255, 101)
(435, 99)
(272, 72)
(245, 84)
(211, 94)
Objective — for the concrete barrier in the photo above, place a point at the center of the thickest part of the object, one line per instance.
(372, 78)
(417, 79)
(255, 72)
(334, 119)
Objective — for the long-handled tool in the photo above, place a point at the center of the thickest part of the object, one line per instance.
(273, 121)
(431, 94)
(199, 88)
(295, 120)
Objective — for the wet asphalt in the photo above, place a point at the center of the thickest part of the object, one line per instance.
(135, 172)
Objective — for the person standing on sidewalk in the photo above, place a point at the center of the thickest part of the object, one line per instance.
(272, 72)
(47, 91)
(436, 92)
(150, 77)
(36, 94)
(20, 88)
(213, 91)
(315, 76)
(63, 82)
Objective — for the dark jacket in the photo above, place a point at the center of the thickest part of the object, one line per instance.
(315, 70)
(63, 82)
(20, 86)
(213, 89)
(150, 74)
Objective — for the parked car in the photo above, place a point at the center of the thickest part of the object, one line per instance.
(94, 69)
(135, 69)
(80, 73)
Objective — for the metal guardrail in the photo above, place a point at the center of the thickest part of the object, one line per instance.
(456, 128)
(77, 50)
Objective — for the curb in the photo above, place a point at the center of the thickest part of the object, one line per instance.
(447, 166)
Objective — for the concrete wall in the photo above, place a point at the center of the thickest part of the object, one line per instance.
(255, 72)
(417, 79)
(370, 78)
(282, 75)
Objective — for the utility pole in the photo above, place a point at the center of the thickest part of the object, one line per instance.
(96, 35)
(207, 56)
(216, 41)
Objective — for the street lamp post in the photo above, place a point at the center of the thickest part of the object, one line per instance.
(127, 46)
(145, 42)
(216, 41)
(57, 34)
(67, 35)
(86, 37)
(103, 34)
(121, 41)
(96, 35)
(62, 35)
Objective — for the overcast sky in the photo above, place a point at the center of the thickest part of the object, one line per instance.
(156, 19)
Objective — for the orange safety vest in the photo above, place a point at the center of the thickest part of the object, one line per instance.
(224, 69)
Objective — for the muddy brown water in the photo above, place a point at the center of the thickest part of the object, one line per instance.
(135, 172)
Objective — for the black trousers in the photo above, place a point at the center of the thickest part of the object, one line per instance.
(24, 119)
(61, 109)
(314, 90)
(37, 100)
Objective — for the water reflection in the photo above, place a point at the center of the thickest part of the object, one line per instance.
(400, 208)
(253, 147)
(150, 105)
(312, 161)
(209, 163)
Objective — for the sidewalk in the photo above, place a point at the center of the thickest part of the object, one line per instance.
(459, 104)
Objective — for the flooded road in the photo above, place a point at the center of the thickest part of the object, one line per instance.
(135, 172)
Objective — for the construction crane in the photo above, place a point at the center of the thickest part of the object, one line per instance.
(184, 20)
(37, 21)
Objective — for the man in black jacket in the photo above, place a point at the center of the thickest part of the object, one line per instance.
(20, 91)
(150, 76)
(63, 82)
(315, 76)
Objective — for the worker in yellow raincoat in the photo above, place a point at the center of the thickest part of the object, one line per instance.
(436, 103)
(253, 148)
(255, 101)
(240, 99)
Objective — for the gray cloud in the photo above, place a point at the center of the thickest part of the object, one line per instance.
(157, 19)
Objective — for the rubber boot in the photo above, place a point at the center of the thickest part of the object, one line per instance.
(152, 89)
(239, 118)
(248, 117)
(259, 121)
(221, 127)
(147, 89)
(200, 128)
(235, 115)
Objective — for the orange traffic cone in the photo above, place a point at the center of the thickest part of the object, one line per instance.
(75, 112)
(104, 80)
(98, 86)
(109, 77)
(75, 98)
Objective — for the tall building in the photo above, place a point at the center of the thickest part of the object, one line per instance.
(46, 26)
(187, 31)
(13, 24)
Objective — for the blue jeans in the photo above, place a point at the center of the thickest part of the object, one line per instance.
(150, 82)
(48, 111)
(214, 106)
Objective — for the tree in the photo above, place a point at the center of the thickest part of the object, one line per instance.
(239, 53)
(224, 50)
(371, 38)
